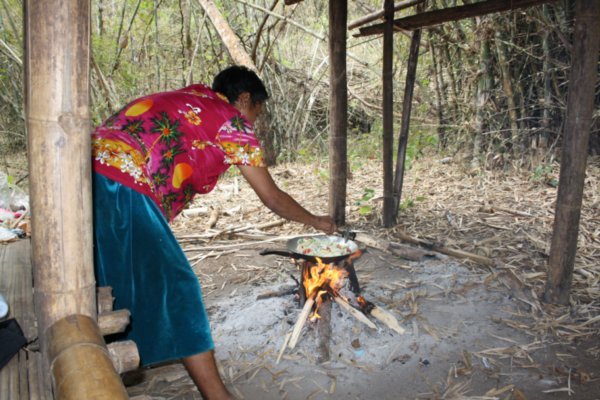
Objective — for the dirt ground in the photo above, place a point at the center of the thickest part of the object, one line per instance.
(472, 331)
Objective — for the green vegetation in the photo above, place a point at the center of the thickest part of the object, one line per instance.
(492, 86)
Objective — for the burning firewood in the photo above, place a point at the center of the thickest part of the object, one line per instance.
(382, 315)
(354, 312)
(310, 301)
(388, 319)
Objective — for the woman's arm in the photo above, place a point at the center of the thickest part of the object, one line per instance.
(280, 202)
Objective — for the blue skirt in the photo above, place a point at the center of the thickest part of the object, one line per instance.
(136, 253)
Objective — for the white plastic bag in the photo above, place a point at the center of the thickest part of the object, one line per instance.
(11, 196)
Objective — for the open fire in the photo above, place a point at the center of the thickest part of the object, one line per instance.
(338, 282)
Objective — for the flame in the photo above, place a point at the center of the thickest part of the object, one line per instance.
(320, 278)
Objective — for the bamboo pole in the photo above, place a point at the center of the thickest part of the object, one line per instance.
(80, 362)
(338, 110)
(388, 114)
(58, 124)
(580, 105)
(411, 73)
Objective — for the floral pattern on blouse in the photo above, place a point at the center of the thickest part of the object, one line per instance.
(173, 145)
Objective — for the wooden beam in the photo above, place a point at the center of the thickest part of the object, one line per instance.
(338, 110)
(388, 115)
(580, 106)
(436, 17)
(381, 13)
(411, 73)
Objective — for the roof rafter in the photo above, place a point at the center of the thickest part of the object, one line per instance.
(436, 17)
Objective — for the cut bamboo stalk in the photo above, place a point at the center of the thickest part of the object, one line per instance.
(355, 313)
(113, 322)
(388, 319)
(80, 363)
(301, 320)
(124, 355)
(104, 299)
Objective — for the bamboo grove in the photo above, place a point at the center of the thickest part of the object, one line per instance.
(491, 90)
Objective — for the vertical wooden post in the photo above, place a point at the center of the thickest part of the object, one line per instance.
(388, 114)
(580, 104)
(338, 110)
(411, 73)
(58, 124)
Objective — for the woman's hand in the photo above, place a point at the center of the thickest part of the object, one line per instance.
(325, 223)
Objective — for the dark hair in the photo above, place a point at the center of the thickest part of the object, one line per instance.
(237, 79)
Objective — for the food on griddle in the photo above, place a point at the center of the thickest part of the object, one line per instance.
(322, 248)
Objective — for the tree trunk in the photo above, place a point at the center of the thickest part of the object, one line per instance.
(232, 42)
(580, 106)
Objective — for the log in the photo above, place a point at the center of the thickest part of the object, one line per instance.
(124, 355)
(397, 249)
(301, 321)
(388, 319)
(104, 299)
(354, 312)
(451, 252)
(410, 253)
(277, 293)
(113, 322)
(324, 332)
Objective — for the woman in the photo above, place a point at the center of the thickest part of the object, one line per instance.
(150, 159)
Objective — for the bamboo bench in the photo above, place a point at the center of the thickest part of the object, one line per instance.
(23, 377)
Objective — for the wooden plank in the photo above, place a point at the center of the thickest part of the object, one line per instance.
(22, 377)
(16, 284)
(437, 17)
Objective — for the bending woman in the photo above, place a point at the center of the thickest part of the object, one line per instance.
(150, 159)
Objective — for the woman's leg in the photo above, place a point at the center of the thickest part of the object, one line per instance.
(202, 368)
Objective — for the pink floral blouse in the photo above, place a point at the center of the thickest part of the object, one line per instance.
(175, 144)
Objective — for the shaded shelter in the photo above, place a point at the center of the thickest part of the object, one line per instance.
(576, 132)
(58, 126)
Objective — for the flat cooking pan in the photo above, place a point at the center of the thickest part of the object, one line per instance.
(340, 248)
